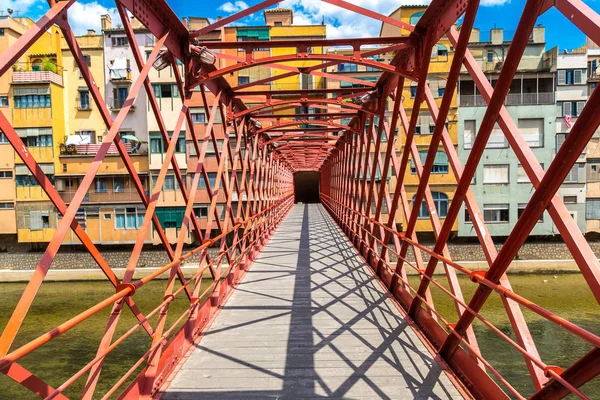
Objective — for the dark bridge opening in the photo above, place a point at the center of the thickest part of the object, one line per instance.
(306, 186)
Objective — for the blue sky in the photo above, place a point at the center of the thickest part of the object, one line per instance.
(501, 13)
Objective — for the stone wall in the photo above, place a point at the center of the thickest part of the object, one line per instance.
(69, 260)
(156, 258)
(529, 251)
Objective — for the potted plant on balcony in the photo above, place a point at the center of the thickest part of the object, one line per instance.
(48, 65)
(68, 149)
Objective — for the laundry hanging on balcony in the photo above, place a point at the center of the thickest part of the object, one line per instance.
(118, 69)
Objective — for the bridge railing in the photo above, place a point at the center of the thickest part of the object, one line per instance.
(392, 279)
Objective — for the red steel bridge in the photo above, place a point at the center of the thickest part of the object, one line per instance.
(297, 280)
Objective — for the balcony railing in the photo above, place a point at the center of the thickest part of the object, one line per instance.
(125, 196)
(92, 149)
(33, 73)
(512, 99)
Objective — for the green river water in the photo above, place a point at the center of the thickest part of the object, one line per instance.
(567, 295)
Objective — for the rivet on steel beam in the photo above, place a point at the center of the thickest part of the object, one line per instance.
(123, 286)
(477, 275)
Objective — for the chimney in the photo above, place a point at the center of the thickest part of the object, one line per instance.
(475, 36)
(105, 22)
(497, 35)
(219, 18)
(539, 34)
(91, 32)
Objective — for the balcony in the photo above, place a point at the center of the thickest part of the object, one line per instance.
(31, 73)
(512, 99)
(108, 197)
(92, 149)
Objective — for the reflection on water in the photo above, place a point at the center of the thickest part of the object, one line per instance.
(566, 295)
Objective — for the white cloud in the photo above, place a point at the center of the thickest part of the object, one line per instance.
(20, 7)
(232, 7)
(344, 23)
(84, 16)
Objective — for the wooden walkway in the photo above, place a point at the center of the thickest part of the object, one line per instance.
(309, 321)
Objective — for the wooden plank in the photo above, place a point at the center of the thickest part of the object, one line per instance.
(310, 321)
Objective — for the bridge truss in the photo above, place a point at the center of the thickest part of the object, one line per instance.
(269, 146)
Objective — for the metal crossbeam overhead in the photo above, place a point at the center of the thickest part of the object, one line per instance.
(245, 170)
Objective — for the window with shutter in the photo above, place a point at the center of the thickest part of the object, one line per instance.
(562, 77)
(469, 133)
(495, 174)
(567, 108)
(497, 139)
(35, 221)
(592, 209)
(532, 130)
(580, 105)
(578, 77)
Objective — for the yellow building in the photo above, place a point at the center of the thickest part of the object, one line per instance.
(11, 29)
(34, 101)
(280, 21)
(442, 181)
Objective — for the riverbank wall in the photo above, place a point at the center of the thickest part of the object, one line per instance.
(95, 274)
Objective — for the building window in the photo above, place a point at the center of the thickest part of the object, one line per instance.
(571, 76)
(414, 19)
(118, 185)
(38, 141)
(119, 41)
(441, 205)
(7, 206)
(84, 99)
(440, 163)
(577, 174)
(128, 218)
(169, 184)
(243, 80)
(592, 208)
(441, 92)
(278, 23)
(165, 90)
(532, 130)
(3, 138)
(413, 92)
(212, 178)
(497, 139)
(497, 174)
(39, 220)
(6, 174)
(347, 67)
(101, 186)
(3, 101)
(571, 108)
(198, 115)
(120, 94)
(201, 212)
(88, 59)
(495, 212)
(560, 139)
(522, 175)
(1, 31)
(570, 199)
(490, 56)
(521, 208)
(33, 101)
(469, 133)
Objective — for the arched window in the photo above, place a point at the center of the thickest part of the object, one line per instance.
(416, 17)
(441, 205)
